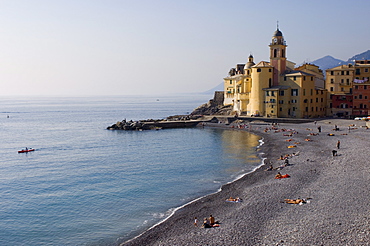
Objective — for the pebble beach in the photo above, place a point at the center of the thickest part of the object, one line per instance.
(334, 188)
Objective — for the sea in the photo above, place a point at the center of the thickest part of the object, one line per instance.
(86, 185)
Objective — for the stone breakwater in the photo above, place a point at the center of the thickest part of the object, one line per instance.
(178, 121)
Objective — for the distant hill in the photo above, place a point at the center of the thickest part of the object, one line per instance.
(219, 87)
(327, 62)
(363, 56)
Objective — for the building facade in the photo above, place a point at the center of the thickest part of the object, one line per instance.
(349, 89)
(276, 88)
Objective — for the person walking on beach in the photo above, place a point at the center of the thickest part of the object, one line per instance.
(338, 144)
(319, 128)
(196, 221)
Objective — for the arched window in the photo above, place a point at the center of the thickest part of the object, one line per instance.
(275, 52)
(282, 53)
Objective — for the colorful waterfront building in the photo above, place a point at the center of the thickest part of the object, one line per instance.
(339, 82)
(276, 88)
(349, 89)
(361, 88)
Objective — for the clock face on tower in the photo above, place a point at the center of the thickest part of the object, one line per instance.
(275, 40)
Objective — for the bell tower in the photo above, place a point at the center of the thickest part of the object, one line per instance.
(278, 55)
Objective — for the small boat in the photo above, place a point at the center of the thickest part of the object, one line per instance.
(25, 150)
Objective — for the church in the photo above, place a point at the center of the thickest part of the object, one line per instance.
(276, 88)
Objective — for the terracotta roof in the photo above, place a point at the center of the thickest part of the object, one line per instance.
(263, 64)
(298, 73)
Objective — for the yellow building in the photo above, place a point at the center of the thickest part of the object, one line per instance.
(276, 88)
(339, 82)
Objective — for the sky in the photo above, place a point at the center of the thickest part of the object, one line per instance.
(162, 47)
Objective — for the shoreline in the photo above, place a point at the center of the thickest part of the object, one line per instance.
(255, 221)
(173, 210)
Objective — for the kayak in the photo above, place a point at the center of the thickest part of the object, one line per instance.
(25, 150)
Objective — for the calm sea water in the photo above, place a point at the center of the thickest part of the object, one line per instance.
(85, 185)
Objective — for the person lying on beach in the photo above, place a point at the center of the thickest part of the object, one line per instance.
(280, 176)
(270, 168)
(294, 201)
(234, 199)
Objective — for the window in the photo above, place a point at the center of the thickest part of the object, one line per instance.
(332, 81)
(294, 92)
(259, 70)
(342, 73)
(270, 83)
(281, 109)
(310, 100)
(304, 92)
(311, 92)
(272, 93)
(284, 78)
(317, 100)
(331, 72)
(365, 87)
(281, 101)
(342, 81)
(281, 93)
(341, 89)
(355, 97)
(293, 108)
(359, 96)
(231, 82)
(358, 71)
(294, 101)
(267, 93)
(270, 70)
(365, 97)
(366, 70)
(347, 81)
(295, 78)
(331, 88)
(347, 72)
(322, 99)
(311, 78)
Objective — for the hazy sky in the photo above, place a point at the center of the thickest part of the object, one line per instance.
(119, 47)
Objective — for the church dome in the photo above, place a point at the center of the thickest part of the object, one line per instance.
(250, 62)
(278, 33)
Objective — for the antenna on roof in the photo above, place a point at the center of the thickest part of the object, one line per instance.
(277, 25)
